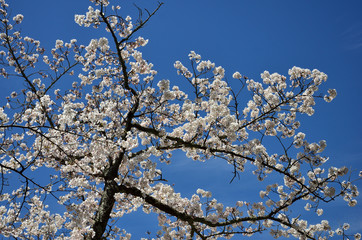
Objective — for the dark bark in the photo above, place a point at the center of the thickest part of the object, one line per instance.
(105, 208)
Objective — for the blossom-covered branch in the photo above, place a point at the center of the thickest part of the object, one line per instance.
(102, 139)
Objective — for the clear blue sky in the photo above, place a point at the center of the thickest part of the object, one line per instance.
(250, 37)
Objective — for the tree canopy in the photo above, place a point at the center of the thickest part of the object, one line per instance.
(87, 155)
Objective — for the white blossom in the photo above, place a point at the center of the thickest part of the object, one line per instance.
(237, 75)
(18, 18)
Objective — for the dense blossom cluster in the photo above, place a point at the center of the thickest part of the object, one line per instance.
(103, 138)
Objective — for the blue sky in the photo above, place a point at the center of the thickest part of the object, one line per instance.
(244, 36)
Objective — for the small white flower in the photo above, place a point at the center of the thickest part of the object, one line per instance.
(357, 236)
(339, 231)
(18, 18)
(329, 191)
(319, 212)
(59, 44)
(307, 206)
(237, 75)
(103, 44)
(164, 85)
(352, 203)
(345, 226)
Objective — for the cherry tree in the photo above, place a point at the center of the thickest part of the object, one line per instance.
(75, 160)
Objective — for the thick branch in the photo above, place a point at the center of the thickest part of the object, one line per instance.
(104, 209)
(183, 215)
(193, 219)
